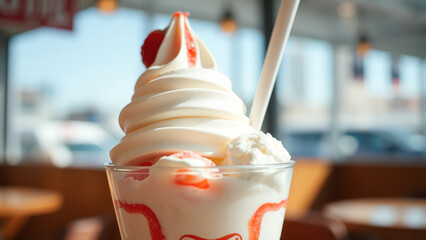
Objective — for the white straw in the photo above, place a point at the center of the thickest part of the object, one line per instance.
(279, 37)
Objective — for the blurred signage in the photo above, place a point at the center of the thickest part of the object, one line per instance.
(36, 13)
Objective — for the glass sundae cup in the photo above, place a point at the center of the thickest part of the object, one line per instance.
(200, 203)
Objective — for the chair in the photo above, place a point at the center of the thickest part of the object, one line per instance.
(313, 225)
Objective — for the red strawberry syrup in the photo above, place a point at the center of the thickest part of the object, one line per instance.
(233, 236)
(256, 220)
(157, 234)
(189, 40)
(191, 47)
(154, 225)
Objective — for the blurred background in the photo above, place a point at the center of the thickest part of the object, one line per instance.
(349, 104)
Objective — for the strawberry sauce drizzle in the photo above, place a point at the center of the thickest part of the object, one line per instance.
(179, 14)
(157, 234)
(256, 220)
(189, 40)
(191, 47)
(227, 237)
(154, 225)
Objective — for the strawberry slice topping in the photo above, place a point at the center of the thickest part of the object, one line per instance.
(189, 177)
(150, 47)
(185, 177)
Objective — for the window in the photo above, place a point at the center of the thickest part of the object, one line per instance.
(378, 112)
(304, 96)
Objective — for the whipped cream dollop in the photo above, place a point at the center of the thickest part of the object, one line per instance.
(180, 103)
(255, 148)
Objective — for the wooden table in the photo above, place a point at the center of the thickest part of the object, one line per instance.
(382, 218)
(18, 204)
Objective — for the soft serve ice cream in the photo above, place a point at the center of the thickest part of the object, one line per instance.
(180, 103)
(191, 129)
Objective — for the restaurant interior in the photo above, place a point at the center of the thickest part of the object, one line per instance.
(349, 105)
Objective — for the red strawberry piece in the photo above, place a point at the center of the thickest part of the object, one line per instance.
(189, 177)
(150, 47)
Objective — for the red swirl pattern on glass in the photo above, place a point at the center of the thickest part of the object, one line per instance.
(256, 220)
(233, 236)
(157, 234)
(154, 225)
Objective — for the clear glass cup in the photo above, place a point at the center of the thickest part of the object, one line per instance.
(200, 203)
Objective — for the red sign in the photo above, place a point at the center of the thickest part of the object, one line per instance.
(36, 13)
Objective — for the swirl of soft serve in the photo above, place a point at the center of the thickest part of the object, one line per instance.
(180, 103)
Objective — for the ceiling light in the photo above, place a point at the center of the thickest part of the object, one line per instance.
(227, 23)
(107, 6)
(363, 45)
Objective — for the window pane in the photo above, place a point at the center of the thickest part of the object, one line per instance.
(378, 113)
(304, 95)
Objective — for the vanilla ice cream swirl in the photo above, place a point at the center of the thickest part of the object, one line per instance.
(180, 103)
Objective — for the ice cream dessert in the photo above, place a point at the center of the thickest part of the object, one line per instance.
(180, 102)
(208, 174)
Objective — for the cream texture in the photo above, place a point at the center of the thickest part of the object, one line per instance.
(175, 107)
